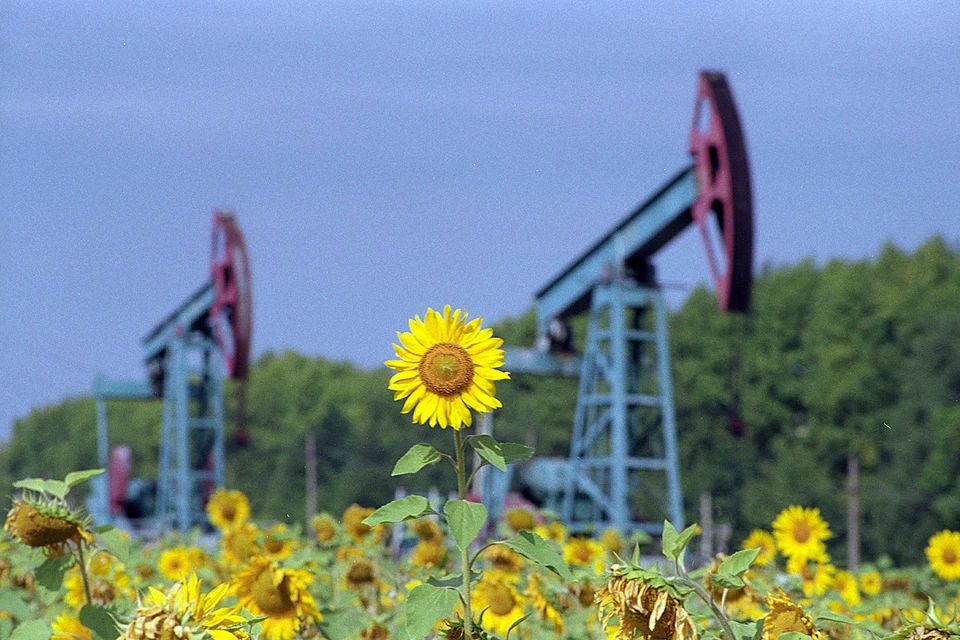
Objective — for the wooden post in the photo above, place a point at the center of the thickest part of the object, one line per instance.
(853, 512)
(706, 523)
(311, 476)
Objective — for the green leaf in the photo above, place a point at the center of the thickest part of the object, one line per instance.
(793, 635)
(33, 484)
(674, 543)
(489, 450)
(112, 540)
(100, 621)
(56, 488)
(76, 477)
(419, 456)
(831, 616)
(6, 626)
(744, 630)
(738, 563)
(726, 580)
(515, 625)
(399, 510)
(50, 573)
(533, 547)
(32, 630)
(12, 604)
(426, 605)
(453, 580)
(465, 520)
(513, 453)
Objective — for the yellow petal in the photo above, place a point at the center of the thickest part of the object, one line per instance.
(413, 399)
(419, 330)
(489, 374)
(411, 344)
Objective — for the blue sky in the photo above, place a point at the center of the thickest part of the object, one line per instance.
(383, 157)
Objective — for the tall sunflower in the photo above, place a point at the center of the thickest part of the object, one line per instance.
(228, 508)
(943, 554)
(800, 534)
(446, 367)
(279, 594)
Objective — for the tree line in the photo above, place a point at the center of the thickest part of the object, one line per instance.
(847, 371)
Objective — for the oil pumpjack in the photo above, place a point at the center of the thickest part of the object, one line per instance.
(187, 354)
(625, 429)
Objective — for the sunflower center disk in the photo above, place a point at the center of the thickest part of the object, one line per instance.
(949, 556)
(801, 532)
(272, 599)
(501, 601)
(446, 369)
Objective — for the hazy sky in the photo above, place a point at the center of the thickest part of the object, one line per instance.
(383, 157)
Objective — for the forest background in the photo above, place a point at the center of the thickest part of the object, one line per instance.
(851, 362)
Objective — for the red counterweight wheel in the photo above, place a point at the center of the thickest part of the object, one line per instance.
(231, 312)
(723, 210)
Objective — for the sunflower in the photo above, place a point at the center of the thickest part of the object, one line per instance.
(176, 562)
(427, 530)
(353, 523)
(543, 608)
(375, 632)
(498, 603)
(785, 616)
(583, 552)
(183, 612)
(67, 627)
(503, 559)
(48, 523)
(279, 594)
(800, 533)
(943, 554)
(228, 508)
(359, 574)
(239, 544)
(845, 584)
(428, 554)
(816, 579)
(612, 541)
(324, 527)
(447, 366)
(552, 531)
(763, 540)
(520, 519)
(871, 583)
(641, 606)
(277, 543)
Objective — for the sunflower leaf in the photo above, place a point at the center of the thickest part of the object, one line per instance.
(112, 540)
(50, 573)
(726, 580)
(513, 452)
(100, 621)
(426, 605)
(57, 488)
(419, 456)
(32, 630)
(76, 477)
(831, 616)
(465, 520)
(489, 449)
(744, 630)
(793, 635)
(533, 547)
(31, 484)
(740, 562)
(399, 510)
(675, 543)
(11, 603)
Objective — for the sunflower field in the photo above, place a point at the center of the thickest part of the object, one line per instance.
(412, 569)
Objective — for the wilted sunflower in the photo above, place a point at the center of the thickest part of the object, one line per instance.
(447, 366)
(800, 534)
(943, 554)
(183, 612)
(497, 603)
(641, 607)
(279, 594)
(763, 540)
(47, 523)
(785, 616)
(228, 508)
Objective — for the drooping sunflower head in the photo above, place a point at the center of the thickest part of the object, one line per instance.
(642, 606)
(943, 554)
(279, 594)
(763, 540)
(47, 523)
(454, 631)
(446, 366)
(800, 533)
(228, 508)
(785, 616)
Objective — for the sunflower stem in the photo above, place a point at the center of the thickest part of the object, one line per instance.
(83, 572)
(717, 612)
(464, 553)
